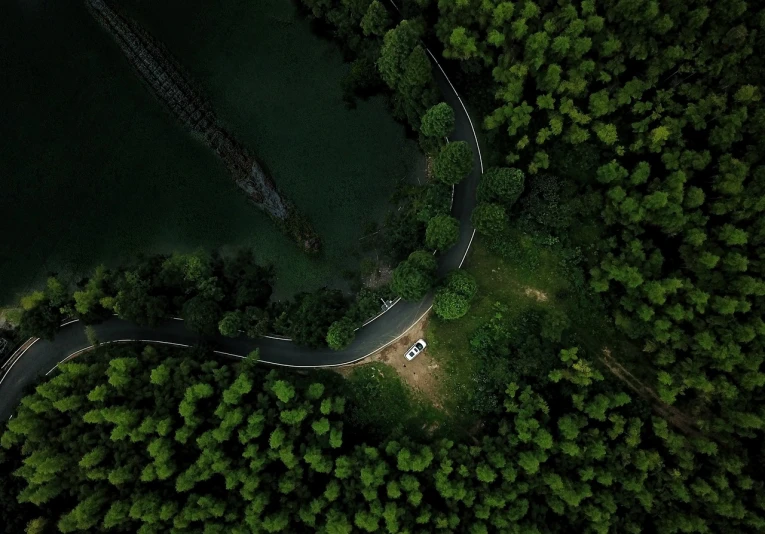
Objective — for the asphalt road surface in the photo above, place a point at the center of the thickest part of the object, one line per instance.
(40, 357)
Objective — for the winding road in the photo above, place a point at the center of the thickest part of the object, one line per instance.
(39, 357)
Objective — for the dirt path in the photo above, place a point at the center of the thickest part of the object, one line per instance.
(674, 416)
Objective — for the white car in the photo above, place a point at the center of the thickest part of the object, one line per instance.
(415, 349)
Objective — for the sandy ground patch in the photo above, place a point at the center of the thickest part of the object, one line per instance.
(540, 296)
(422, 373)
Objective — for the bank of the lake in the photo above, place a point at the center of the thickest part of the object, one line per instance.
(94, 169)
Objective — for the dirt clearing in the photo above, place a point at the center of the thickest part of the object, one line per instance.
(422, 374)
(540, 296)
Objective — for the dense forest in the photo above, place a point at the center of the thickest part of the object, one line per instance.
(150, 440)
(625, 134)
(637, 121)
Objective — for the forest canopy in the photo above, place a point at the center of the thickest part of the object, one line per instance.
(626, 135)
(642, 120)
(148, 439)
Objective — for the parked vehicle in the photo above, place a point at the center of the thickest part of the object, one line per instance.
(415, 349)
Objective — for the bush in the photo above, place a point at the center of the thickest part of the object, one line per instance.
(442, 232)
(463, 283)
(449, 304)
(453, 300)
(415, 276)
(341, 334)
(489, 219)
(501, 184)
(453, 163)
(438, 121)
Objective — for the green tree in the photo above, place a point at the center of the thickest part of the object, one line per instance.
(202, 315)
(463, 283)
(501, 185)
(341, 333)
(489, 219)
(376, 19)
(438, 121)
(453, 163)
(42, 320)
(231, 324)
(92, 336)
(442, 232)
(449, 304)
(313, 315)
(415, 276)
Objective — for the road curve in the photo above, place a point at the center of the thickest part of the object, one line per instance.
(39, 357)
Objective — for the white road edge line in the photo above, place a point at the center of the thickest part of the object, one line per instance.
(472, 128)
(17, 359)
(223, 353)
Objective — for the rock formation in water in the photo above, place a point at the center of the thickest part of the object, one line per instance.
(164, 76)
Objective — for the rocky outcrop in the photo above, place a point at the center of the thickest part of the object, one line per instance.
(166, 79)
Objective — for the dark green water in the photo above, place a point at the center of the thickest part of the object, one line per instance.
(93, 169)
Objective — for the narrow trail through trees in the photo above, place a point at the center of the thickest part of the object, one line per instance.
(674, 416)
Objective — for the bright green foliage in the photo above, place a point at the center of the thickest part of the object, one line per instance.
(462, 283)
(88, 301)
(415, 276)
(449, 304)
(92, 336)
(453, 300)
(271, 453)
(44, 311)
(442, 232)
(665, 100)
(205, 290)
(341, 333)
(453, 163)
(438, 121)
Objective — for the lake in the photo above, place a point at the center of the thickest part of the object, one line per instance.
(94, 170)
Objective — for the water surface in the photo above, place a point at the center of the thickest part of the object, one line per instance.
(94, 170)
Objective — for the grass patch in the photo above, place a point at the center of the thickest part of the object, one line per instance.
(517, 285)
(532, 277)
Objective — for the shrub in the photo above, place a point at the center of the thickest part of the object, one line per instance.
(463, 283)
(231, 323)
(433, 199)
(315, 313)
(449, 304)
